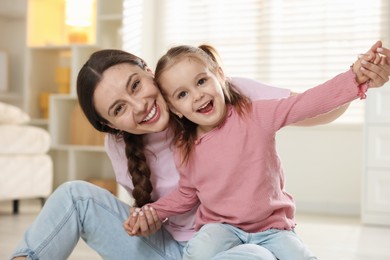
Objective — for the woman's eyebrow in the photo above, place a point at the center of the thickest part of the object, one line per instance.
(129, 80)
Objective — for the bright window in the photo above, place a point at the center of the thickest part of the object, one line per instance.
(296, 44)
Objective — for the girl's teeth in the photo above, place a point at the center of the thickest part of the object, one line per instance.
(205, 105)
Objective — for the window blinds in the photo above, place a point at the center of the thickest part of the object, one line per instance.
(295, 44)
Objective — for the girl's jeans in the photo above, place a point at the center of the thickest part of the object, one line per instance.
(79, 209)
(212, 239)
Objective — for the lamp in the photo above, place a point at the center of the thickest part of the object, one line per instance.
(78, 17)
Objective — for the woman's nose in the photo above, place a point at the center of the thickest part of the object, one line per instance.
(139, 105)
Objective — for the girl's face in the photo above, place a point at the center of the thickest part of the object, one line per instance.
(195, 92)
(129, 100)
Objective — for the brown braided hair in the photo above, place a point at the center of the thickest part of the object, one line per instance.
(184, 130)
(88, 78)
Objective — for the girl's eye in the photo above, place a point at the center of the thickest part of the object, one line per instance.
(182, 94)
(118, 109)
(202, 81)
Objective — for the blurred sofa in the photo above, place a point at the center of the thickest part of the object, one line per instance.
(26, 168)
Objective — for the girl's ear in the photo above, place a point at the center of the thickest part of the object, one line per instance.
(173, 110)
(221, 73)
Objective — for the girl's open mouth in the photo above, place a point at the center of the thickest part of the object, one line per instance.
(206, 107)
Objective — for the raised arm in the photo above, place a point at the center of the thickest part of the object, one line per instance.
(377, 71)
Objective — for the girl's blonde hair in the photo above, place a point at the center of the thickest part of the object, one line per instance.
(184, 130)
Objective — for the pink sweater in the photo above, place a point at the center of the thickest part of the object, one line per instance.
(235, 172)
(165, 176)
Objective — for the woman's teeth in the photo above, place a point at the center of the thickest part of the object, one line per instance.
(151, 114)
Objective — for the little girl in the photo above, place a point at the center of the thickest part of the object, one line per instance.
(226, 154)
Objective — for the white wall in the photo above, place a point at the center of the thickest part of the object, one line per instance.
(323, 164)
(323, 167)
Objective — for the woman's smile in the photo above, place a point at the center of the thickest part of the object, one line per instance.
(152, 116)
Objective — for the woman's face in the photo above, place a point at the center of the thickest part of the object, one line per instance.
(129, 100)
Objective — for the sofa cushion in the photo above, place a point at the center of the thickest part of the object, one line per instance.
(10, 114)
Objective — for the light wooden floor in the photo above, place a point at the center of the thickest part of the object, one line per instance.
(330, 237)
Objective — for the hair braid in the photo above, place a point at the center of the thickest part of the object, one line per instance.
(139, 169)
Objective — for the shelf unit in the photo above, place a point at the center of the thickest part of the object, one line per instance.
(376, 176)
(51, 54)
(13, 23)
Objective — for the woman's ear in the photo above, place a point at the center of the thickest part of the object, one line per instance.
(109, 125)
(149, 70)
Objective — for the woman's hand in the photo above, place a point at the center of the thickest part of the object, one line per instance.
(142, 222)
(378, 73)
(374, 66)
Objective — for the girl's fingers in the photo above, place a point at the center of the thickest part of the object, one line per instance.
(149, 218)
(156, 219)
(143, 224)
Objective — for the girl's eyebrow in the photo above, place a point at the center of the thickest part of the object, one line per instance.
(126, 86)
(199, 75)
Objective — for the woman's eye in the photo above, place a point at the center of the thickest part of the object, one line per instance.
(182, 94)
(135, 86)
(118, 109)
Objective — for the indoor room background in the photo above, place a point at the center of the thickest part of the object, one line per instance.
(292, 44)
(295, 44)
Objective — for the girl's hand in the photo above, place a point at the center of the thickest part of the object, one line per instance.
(378, 73)
(143, 222)
(375, 68)
(150, 223)
(371, 61)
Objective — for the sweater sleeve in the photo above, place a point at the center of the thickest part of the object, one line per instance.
(180, 200)
(333, 93)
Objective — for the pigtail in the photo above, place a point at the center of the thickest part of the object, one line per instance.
(138, 169)
(240, 102)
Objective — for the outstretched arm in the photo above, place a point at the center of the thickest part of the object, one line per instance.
(376, 70)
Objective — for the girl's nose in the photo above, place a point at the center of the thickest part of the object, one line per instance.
(198, 95)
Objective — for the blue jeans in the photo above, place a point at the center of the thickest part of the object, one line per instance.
(79, 209)
(214, 239)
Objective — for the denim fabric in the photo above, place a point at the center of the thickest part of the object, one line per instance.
(213, 241)
(78, 209)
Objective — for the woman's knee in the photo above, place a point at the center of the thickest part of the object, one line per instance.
(70, 190)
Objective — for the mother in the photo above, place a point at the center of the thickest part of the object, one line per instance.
(118, 95)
